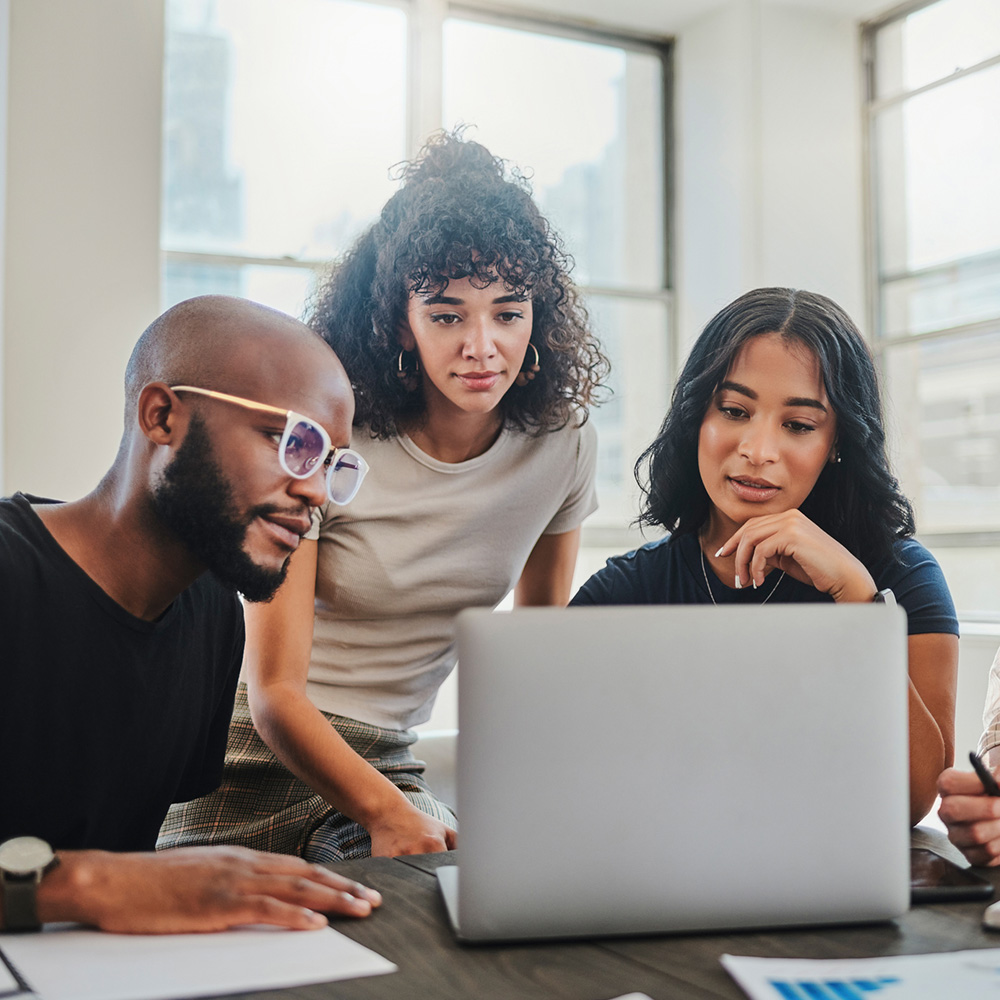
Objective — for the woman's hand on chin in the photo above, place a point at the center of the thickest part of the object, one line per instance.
(789, 541)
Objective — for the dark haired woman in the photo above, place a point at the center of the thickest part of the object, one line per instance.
(473, 368)
(770, 473)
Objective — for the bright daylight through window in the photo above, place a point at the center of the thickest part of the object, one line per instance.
(933, 103)
(280, 129)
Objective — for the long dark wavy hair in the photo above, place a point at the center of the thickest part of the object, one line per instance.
(857, 500)
(460, 213)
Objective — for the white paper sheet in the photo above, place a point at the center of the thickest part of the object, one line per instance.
(8, 984)
(68, 963)
(968, 975)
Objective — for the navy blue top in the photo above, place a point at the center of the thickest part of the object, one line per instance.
(668, 571)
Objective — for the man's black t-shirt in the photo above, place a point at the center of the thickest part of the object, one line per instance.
(105, 719)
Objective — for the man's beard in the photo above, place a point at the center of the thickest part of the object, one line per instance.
(194, 500)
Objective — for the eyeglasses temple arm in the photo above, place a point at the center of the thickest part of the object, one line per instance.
(249, 403)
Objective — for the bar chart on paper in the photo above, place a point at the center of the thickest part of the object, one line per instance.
(831, 989)
(971, 975)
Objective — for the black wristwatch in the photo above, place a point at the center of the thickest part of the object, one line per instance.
(885, 597)
(23, 862)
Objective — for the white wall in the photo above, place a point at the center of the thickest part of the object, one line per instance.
(81, 249)
(769, 157)
(977, 648)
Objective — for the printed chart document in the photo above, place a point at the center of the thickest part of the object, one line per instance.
(66, 962)
(970, 975)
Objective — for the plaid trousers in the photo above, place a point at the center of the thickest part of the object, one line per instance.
(262, 805)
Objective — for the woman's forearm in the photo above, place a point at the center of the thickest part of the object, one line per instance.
(928, 757)
(305, 742)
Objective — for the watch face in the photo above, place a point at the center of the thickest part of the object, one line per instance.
(24, 855)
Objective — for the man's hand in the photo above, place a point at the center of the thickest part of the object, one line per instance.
(196, 889)
(972, 816)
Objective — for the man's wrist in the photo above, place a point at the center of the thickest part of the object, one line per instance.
(68, 892)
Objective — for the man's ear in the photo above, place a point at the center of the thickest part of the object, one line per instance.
(157, 414)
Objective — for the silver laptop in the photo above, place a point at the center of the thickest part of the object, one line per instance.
(642, 770)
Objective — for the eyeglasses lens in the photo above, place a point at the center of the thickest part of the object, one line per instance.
(345, 478)
(305, 448)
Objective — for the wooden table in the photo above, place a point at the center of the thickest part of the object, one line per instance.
(412, 930)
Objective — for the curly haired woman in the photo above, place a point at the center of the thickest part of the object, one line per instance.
(473, 368)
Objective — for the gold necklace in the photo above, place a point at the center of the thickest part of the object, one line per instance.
(704, 573)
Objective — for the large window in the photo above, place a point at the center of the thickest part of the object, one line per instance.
(933, 105)
(283, 117)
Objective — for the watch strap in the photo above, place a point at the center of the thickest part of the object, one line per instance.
(885, 596)
(20, 902)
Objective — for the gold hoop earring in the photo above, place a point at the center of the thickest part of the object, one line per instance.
(408, 376)
(525, 375)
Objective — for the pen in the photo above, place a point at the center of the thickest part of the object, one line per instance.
(989, 782)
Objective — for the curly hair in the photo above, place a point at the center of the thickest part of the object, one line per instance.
(856, 500)
(460, 213)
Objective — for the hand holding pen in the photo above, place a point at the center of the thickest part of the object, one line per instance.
(991, 917)
(985, 775)
(970, 809)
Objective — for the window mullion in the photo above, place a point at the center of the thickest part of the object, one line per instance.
(426, 74)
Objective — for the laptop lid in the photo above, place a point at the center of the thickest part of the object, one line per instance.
(628, 770)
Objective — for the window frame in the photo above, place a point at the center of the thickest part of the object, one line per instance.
(883, 341)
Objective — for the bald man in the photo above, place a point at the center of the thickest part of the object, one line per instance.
(122, 634)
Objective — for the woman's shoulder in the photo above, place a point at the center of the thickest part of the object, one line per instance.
(918, 583)
(571, 444)
(635, 577)
(653, 553)
(910, 550)
(909, 557)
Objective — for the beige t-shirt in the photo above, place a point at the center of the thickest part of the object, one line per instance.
(422, 540)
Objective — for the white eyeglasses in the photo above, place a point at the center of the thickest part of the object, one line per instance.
(305, 445)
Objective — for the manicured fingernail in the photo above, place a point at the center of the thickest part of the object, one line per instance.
(738, 584)
(719, 553)
(372, 896)
(317, 919)
(754, 582)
